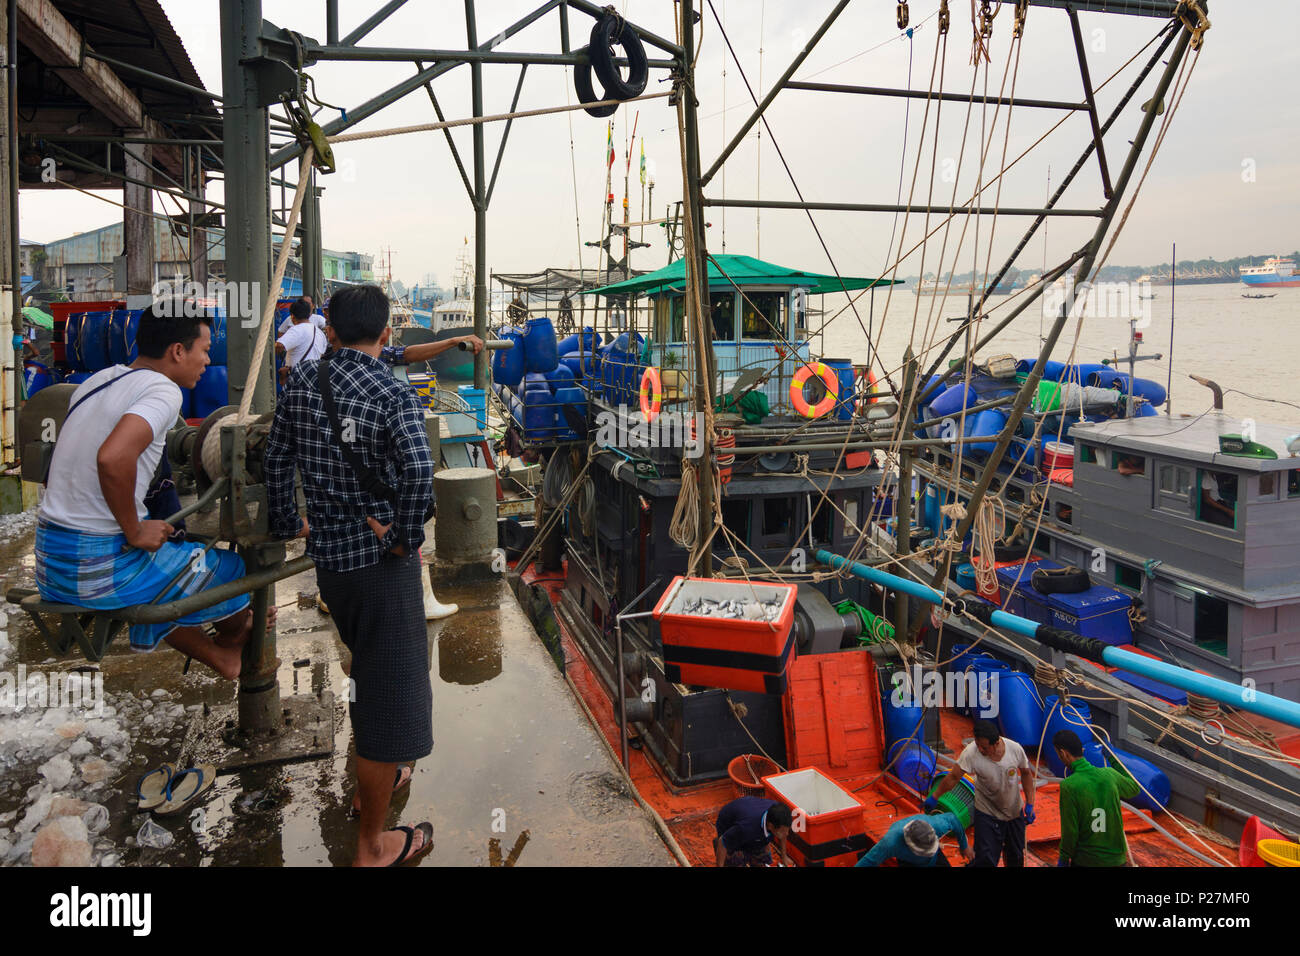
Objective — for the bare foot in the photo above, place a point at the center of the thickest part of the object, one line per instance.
(388, 848)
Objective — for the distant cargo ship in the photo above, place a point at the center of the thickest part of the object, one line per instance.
(941, 287)
(1274, 273)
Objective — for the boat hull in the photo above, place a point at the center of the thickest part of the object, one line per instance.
(452, 364)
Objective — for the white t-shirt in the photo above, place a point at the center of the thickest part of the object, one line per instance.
(315, 319)
(997, 785)
(73, 497)
(303, 341)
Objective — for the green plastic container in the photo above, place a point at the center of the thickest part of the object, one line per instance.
(959, 801)
(1048, 398)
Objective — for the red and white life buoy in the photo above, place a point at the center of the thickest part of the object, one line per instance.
(828, 378)
(652, 393)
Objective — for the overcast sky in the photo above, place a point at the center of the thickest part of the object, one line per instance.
(1226, 181)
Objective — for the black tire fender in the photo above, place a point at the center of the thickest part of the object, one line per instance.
(607, 33)
(586, 92)
(1063, 581)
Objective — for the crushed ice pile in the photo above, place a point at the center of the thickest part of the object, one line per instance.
(749, 609)
(17, 525)
(61, 764)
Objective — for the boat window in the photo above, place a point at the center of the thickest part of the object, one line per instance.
(1267, 486)
(676, 322)
(821, 522)
(1129, 464)
(1128, 577)
(1217, 503)
(1087, 453)
(1293, 483)
(850, 508)
(1065, 514)
(722, 309)
(1211, 624)
(735, 515)
(1175, 480)
(776, 515)
(763, 315)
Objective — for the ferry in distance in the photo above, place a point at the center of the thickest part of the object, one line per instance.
(1274, 273)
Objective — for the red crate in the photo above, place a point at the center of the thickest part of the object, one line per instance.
(731, 653)
(829, 822)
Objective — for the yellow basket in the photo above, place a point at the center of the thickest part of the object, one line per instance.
(1279, 852)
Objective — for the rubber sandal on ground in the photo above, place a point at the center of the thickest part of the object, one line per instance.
(398, 784)
(406, 857)
(185, 787)
(151, 788)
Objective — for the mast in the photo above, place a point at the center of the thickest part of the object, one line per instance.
(697, 273)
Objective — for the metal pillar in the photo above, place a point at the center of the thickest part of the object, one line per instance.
(248, 266)
(310, 250)
(198, 236)
(480, 204)
(12, 241)
(137, 222)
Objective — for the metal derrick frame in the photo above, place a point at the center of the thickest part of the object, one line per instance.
(1085, 257)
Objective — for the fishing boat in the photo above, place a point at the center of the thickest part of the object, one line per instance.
(735, 533)
(446, 320)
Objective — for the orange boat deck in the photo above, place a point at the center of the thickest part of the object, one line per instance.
(689, 812)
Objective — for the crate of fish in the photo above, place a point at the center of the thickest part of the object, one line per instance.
(735, 635)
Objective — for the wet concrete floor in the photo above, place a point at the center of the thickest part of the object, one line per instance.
(513, 751)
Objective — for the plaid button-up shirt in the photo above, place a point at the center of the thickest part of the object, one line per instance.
(388, 425)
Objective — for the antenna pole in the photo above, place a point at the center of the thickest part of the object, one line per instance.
(1173, 284)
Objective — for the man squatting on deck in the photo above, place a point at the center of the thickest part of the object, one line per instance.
(95, 545)
(1001, 771)
(365, 543)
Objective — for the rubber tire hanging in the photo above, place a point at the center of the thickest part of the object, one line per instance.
(608, 32)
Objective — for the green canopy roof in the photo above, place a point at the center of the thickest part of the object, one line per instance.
(744, 271)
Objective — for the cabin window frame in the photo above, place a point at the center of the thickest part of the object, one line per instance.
(1199, 502)
(1173, 500)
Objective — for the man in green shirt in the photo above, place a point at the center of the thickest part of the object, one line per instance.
(1092, 822)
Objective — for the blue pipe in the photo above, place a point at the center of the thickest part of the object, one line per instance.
(1266, 705)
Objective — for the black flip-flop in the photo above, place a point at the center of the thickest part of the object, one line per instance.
(355, 814)
(403, 859)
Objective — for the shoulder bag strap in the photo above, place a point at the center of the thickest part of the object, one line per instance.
(98, 388)
(368, 480)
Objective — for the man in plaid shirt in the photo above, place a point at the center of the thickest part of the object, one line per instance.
(366, 549)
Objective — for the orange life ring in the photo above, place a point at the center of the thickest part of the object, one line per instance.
(652, 393)
(872, 381)
(829, 380)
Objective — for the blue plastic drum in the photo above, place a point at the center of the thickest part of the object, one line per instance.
(1076, 716)
(913, 763)
(211, 392)
(541, 353)
(508, 364)
(1020, 709)
(36, 377)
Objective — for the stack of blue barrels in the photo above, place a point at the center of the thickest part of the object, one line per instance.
(620, 368)
(539, 377)
(98, 340)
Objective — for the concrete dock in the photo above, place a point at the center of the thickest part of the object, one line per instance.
(517, 775)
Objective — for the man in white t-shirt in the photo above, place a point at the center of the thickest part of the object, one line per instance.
(303, 341)
(1002, 772)
(95, 544)
(315, 317)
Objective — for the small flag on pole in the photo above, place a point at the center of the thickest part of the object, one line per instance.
(642, 160)
(610, 143)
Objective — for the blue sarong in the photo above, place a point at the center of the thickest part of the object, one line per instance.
(101, 572)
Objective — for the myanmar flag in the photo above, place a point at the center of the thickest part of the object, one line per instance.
(642, 160)
(610, 143)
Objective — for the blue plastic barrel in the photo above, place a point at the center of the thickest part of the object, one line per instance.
(211, 392)
(540, 348)
(93, 339)
(1080, 373)
(1020, 709)
(1154, 781)
(580, 366)
(539, 414)
(1094, 753)
(536, 382)
(573, 397)
(72, 340)
(843, 369)
(903, 721)
(218, 353)
(36, 377)
(560, 377)
(952, 400)
(913, 763)
(989, 673)
(187, 403)
(1076, 716)
(508, 364)
(574, 343)
(966, 576)
(121, 336)
(991, 421)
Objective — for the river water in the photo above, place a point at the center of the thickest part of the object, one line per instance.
(1252, 345)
